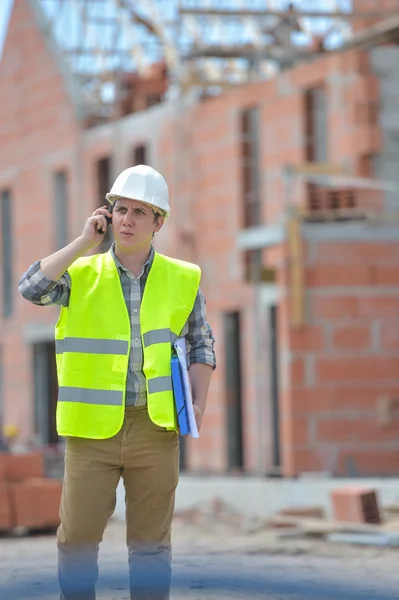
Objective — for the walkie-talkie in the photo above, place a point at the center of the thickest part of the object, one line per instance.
(109, 220)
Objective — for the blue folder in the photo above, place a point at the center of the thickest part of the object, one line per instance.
(180, 397)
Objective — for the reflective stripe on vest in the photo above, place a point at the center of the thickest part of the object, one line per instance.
(97, 346)
(91, 346)
(104, 397)
(100, 346)
(93, 337)
(160, 384)
(158, 336)
(90, 396)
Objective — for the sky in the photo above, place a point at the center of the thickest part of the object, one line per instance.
(5, 9)
(6, 5)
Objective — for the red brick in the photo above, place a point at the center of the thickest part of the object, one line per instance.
(297, 369)
(379, 462)
(311, 400)
(334, 307)
(48, 497)
(24, 466)
(306, 339)
(300, 461)
(338, 398)
(387, 274)
(335, 275)
(378, 306)
(359, 369)
(389, 336)
(355, 505)
(299, 431)
(337, 431)
(24, 506)
(352, 337)
(361, 306)
(6, 513)
(3, 467)
(362, 430)
(36, 503)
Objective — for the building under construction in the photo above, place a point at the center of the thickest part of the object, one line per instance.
(277, 129)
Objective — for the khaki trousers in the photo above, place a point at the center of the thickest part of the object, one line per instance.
(146, 457)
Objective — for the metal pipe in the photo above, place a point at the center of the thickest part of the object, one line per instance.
(211, 12)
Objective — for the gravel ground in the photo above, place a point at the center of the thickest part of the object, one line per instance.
(216, 559)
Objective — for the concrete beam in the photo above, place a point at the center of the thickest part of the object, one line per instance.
(356, 232)
(264, 236)
(35, 333)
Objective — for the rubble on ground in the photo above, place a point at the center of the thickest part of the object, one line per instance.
(306, 528)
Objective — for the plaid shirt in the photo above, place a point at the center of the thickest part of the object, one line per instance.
(38, 289)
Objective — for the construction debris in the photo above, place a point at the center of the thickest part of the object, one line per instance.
(312, 512)
(364, 539)
(323, 527)
(295, 523)
(333, 531)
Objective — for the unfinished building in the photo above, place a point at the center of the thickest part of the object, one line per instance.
(277, 132)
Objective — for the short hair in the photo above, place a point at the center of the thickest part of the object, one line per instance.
(158, 212)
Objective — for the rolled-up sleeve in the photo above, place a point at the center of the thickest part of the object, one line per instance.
(38, 289)
(199, 336)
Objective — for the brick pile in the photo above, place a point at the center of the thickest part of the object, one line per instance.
(28, 499)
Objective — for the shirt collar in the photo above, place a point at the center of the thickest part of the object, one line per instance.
(146, 267)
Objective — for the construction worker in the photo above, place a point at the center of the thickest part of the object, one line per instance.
(120, 313)
(8, 434)
(10, 440)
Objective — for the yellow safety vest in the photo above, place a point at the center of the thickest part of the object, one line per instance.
(93, 343)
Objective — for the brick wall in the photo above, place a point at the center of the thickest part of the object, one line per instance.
(39, 135)
(197, 147)
(345, 361)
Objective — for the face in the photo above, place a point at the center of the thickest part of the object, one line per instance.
(134, 224)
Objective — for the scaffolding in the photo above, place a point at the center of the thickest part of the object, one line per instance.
(205, 45)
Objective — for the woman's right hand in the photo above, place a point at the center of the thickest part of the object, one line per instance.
(91, 234)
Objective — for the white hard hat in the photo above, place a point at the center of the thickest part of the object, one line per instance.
(144, 184)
